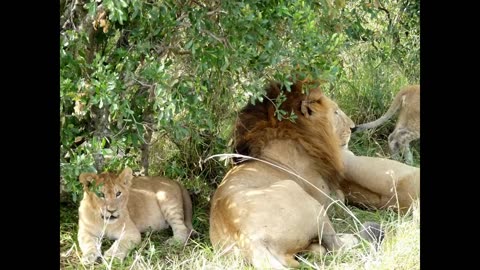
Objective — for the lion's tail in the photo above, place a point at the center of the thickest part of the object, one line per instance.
(187, 209)
(397, 102)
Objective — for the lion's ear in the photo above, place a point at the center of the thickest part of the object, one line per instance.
(305, 108)
(87, 178)
(126, 176)
(315, 97)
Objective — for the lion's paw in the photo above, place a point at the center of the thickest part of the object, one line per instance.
(317, 249)
(90, 258)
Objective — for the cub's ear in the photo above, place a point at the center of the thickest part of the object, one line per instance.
(126, 176)
(87, 178)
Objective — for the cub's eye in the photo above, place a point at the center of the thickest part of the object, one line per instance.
(101, 195)
(336, 112)
(119, 193)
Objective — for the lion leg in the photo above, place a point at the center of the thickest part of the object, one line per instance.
(407, 153)
(394, 145)
(172, 209)
(264, 258)
(399, 142)
(316, 249)
(89, 245)
(328, 236)
(125, 242)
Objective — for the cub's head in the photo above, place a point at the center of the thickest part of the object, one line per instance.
(107, 193)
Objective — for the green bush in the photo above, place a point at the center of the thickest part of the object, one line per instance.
(155, 85)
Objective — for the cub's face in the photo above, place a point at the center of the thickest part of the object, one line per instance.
(107, 193)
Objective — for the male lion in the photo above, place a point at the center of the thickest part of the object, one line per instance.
(270, 212)
(122, 206)
(407, 128)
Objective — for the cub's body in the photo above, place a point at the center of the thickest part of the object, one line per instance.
(121, 207)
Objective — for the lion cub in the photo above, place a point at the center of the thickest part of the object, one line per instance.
(121, 206)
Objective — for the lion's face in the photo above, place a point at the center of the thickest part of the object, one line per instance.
(343, 127)
(107, 193)
(342, 124)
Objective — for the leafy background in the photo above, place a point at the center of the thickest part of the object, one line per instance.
(155, 85)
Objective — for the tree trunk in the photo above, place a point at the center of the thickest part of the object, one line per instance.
(100, 118)
(63, 192)
(147, 137)
(146, 147)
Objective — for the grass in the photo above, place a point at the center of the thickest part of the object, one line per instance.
(399, 250)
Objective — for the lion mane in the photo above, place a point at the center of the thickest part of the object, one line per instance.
(257, 124)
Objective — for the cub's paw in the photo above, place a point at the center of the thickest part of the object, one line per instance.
(91, 258)
(116, 254)
(174, 242)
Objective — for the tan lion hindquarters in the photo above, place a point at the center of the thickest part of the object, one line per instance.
(407, 127)
(120, 207)
(270, 224)
(379, 182)
(159, 203)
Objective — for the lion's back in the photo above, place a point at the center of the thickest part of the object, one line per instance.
(146, 194)
(155, 184)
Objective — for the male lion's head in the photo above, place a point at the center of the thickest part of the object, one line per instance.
(107, 193)
(319, 125)
(343, 126)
